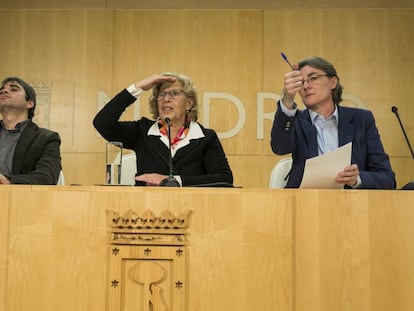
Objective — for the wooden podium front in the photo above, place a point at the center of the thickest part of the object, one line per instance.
(245, 249)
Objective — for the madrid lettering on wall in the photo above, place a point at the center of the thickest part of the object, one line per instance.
(208, 99)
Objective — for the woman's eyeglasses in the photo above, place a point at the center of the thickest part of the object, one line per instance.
(172, 93)
(312, 79)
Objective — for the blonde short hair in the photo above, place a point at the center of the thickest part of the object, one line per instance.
(189, 89)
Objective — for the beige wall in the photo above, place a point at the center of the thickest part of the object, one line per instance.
(83, 52)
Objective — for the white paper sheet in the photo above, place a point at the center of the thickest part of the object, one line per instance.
(320, 172)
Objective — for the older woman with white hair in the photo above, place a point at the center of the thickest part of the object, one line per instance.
(197, 156)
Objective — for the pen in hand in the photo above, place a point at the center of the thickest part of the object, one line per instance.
(289, 99)
(286, 60)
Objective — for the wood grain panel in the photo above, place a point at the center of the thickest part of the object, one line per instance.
(71, 50)
(352, 250)
(249, 249)
(57, 245)
(332, 258)
(391, 251)
(58, 241)
(220, 50)
(199, 4)
(4, 242)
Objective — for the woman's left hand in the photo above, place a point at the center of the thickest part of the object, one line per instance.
(348, 176)
(152, 179)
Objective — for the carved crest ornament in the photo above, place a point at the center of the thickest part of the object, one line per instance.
(147, 261)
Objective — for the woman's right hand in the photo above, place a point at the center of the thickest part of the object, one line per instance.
(149, 82)
(293, 83)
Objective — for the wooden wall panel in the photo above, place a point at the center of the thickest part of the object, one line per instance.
(71, 51)
(202, 5)
(84, 52)
(220, 50)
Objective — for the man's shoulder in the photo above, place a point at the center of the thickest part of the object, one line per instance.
(34, 128)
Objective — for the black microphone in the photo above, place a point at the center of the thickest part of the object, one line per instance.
(170, 181)
(395, 111)
(409, 185)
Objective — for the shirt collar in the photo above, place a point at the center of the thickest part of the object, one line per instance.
(193, 133)
(314, 115)
(18, 128)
